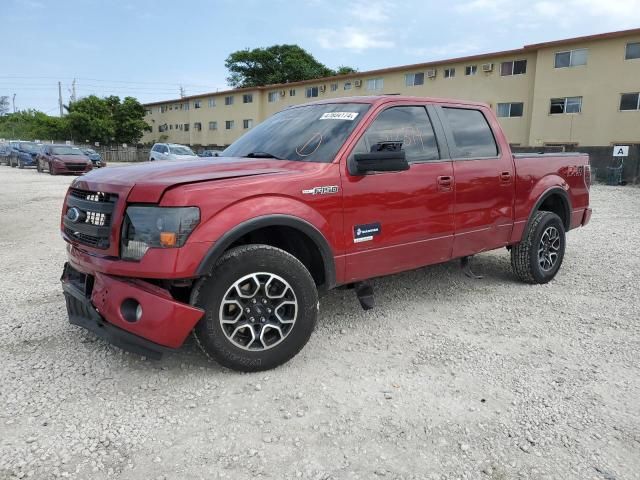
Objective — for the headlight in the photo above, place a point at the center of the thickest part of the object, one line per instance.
(156, 227)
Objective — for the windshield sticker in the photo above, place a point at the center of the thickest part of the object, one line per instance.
(339, 116)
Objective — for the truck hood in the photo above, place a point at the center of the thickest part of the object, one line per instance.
(148, 181)
(71, 158)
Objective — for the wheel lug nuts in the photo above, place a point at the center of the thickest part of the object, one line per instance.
(253, 301)
(268, 310)
(262, 319)
(264, 301)
(247, 310)
(252, 319)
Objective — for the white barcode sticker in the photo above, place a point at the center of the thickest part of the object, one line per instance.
(339, 116)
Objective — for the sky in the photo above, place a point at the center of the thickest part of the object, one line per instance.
(149, 48)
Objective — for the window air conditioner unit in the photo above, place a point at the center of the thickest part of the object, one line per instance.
(357, 83)
(432, 73)
(323, 88)
(487, 67)
(283, 93)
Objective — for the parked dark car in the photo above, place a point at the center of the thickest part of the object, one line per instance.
(58, 159)
(208, 153)
(27, 154)
(95, 157)
(5, 153)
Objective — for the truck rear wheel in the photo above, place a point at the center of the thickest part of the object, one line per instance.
(537, 258)
(261, 306)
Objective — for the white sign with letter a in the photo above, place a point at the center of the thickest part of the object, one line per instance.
(621, 151)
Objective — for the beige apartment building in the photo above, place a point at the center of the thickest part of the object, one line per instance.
(579, 91)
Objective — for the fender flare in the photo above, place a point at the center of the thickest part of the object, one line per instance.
(566, 203)
(226, 240)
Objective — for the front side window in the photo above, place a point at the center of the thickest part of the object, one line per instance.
(510, 109)
(571, 58)
(630, 101)
(472, 135)
(565, 105)
(181, 150)
(632, 51)
(414, 79)
(309, 133)
(516, 67)
(375, 84)
(311, 92)
(228, 100)
(407, 125)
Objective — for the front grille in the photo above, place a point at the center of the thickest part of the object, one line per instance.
(94, 228)
(76, 167)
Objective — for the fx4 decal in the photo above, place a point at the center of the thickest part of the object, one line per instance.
(326, 190)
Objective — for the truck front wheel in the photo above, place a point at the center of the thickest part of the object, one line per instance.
(261, 306)
(537, 258)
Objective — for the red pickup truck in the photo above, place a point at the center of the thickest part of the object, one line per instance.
(320, 195)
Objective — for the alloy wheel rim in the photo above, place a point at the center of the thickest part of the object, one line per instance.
(258, 311)
(549, 248)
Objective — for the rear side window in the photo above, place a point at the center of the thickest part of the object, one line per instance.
(472, 135)
(408, 125)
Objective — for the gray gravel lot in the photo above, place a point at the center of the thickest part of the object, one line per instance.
(447, 378)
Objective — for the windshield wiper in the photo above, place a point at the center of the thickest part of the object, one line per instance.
(261, 155)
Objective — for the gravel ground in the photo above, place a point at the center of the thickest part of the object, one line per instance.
(447, 378)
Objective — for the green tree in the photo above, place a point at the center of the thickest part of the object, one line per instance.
(275, 64)
(4, 105)
(106, 120)
(32, 124)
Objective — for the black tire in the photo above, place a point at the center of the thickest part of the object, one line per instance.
(210, 292)
(533, 259)
(38, 169)
(52, 171)
(20, 164)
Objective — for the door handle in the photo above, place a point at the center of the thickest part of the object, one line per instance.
(505, 177)
(444, 183)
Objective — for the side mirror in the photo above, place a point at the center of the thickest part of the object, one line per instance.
(382, 161)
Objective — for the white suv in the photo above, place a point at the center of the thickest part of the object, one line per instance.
(171, 151)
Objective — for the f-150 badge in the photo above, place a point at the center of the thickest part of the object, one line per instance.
(326, 190)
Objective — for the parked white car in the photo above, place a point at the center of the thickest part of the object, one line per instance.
(171, 151)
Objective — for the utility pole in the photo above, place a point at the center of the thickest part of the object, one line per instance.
(182, 92)
(60, 98)
(14, 103)
(73, 91)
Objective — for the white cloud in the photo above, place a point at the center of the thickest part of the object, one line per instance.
(371, 11)
(351, 38)
(449, 50)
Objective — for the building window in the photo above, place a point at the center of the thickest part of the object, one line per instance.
(571, 58)
(565, 105)
(186, 127)
(449, 72)
(197, 104)
(632, 51)
(347, 85)
(311, 92)
(163, 108)
(510, 109)
(247, 123)
(228, 125)
(292, 92)
(273, 97)
(247, 98)
(170, 127)
(228, 100)
(197, 126)
(185, 105)
(516, 67)
(630, 101)
(212, 102)
(334, 87)
(375, 84)
(414, 79)
(213, 125)
(470, 69)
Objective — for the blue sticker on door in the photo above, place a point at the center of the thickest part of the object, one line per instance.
(365, 233)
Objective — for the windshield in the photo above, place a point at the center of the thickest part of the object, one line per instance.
(313, 133)
(29, 147)
(66, 151)
(181, 150)
(88, 151)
